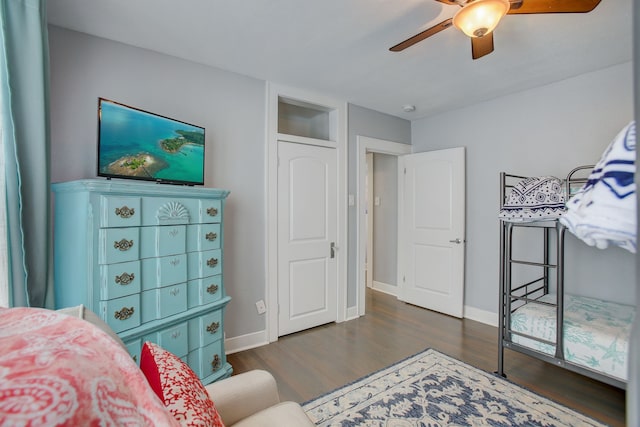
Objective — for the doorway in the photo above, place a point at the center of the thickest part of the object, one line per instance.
(367, 145)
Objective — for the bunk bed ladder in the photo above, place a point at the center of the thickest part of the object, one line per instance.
(507, 291)
(502, 291)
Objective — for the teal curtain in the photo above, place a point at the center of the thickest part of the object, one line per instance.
(24, 96)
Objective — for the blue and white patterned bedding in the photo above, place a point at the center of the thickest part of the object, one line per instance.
(603, 212)
(539, 198)
(596, 332)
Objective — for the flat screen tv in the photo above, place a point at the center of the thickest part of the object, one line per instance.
(136, 144)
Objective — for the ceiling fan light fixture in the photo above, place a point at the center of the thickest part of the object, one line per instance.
(480, 17)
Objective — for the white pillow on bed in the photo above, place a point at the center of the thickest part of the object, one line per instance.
(534, 199)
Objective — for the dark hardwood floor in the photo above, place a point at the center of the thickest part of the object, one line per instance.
(310, 363)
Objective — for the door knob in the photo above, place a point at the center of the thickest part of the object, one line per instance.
(458, 241)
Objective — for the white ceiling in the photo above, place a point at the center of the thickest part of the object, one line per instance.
(340, 47)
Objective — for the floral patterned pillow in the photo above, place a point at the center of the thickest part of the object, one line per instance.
(178, 387)
(60, 370)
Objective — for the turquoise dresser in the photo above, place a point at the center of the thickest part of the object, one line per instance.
(147, 258)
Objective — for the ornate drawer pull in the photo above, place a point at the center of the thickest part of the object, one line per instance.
(212, 262)
(175, 335)
(135, 358)
(212, 211)
(174, 291)
(124, 314)
(123, 245)
(174, 262)
(213, 328)
(125, 212)
(125, 278)
(211, 236)
(174, 232)
(212, 289)
(216, 363)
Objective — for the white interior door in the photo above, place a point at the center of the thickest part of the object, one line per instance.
(307, 229)
(432, 230)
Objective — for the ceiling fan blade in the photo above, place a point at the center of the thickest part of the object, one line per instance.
(421, 36)
(481, 46)
(451, 2)
(521, 7)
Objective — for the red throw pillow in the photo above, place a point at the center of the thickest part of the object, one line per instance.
(178, 387)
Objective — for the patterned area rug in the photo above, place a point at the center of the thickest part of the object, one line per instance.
(431, 389)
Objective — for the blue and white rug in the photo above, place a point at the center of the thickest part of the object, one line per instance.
(431, 389)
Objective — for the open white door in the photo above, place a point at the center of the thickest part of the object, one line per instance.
(307, 232)
(431, 230)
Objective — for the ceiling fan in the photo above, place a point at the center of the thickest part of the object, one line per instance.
(478, 18)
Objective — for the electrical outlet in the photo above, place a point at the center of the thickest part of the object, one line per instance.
(261, 307)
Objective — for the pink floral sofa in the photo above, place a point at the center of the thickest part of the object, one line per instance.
(57, 369)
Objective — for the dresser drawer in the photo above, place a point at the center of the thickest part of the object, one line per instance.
(118, 280)
(121, 313)
(204, 264)
(118, 245)
(204, 291)
(158, 272)
(174, 339)
(203, 237)
(206, 360)
(162, 240)
(210, 211)
(119, 211)
(163, 302)
(204, 330)
(168, 211)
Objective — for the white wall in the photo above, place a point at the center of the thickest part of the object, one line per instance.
(543, 131)
(232, 109)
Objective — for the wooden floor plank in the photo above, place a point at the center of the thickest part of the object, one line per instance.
(310, 363)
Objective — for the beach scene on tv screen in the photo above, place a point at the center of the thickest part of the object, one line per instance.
(137, 144)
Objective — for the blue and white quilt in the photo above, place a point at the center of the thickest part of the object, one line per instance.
(603, 211)
(596, 332)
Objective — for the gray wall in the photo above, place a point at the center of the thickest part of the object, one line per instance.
(544, 131)
(366, 122)
(385, 219)
(231, 108)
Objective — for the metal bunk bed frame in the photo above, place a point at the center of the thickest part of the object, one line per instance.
(513, 297)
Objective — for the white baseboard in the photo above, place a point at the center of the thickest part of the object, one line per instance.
(482, 316)
(385, 288)
(246, 342)
(352, 313)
